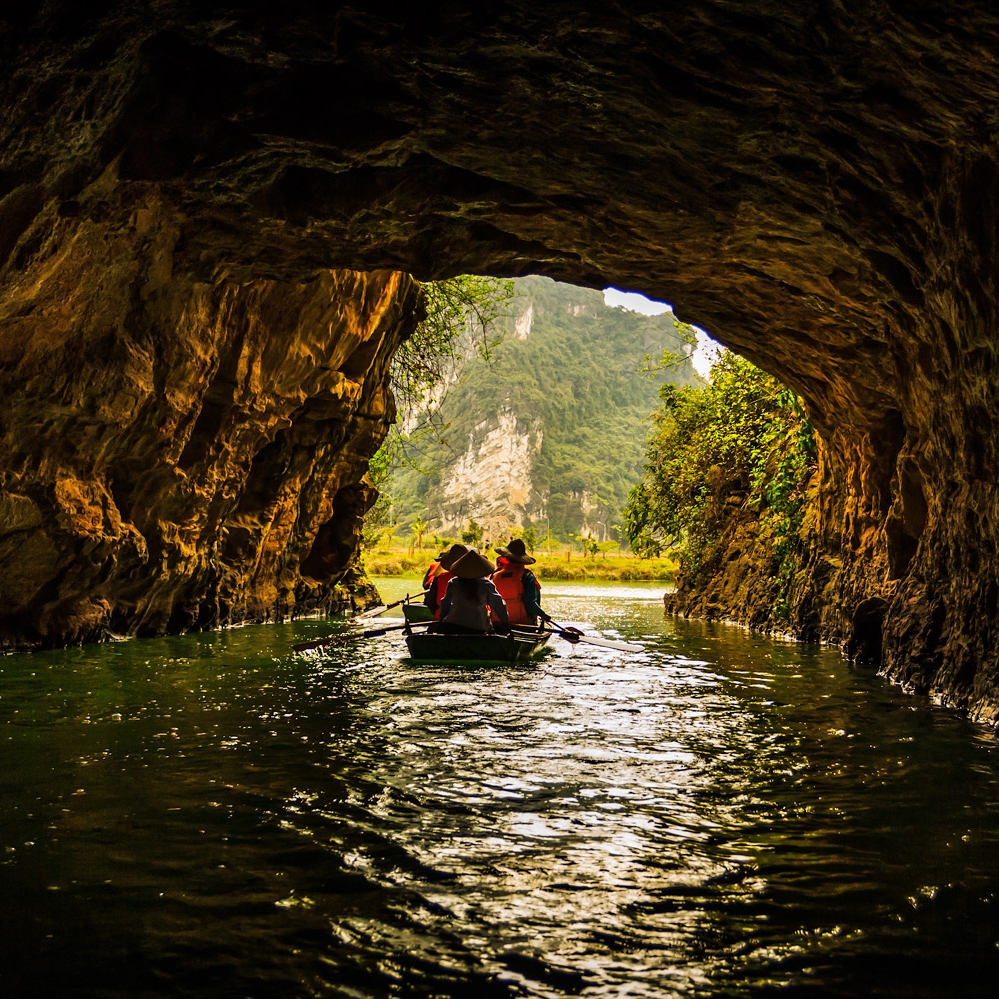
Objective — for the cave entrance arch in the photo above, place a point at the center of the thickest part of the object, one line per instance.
(818, 189)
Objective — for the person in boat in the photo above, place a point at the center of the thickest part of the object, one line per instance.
(517, 585)
(432, 570)
(438, 585)
(472, 603)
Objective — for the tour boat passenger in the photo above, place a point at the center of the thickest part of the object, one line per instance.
(432, 570)
(517, 585)
(472, 602)
(438, 585)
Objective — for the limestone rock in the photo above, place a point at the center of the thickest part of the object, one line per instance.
(816, 184)
(180, 454)
(491, 480)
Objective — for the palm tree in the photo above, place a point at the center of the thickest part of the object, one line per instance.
(419, 529)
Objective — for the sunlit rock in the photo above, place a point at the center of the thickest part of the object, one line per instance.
(816, 185)
(177, 453)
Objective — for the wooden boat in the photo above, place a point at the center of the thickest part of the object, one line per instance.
(518, 646)
(417, 613)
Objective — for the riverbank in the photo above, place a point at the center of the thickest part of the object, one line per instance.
(406, 564)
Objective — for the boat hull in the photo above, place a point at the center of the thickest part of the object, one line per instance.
(417, 613)
(519, 646)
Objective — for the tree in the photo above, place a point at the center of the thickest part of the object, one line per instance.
(419, 528)
(461, 315)
(472, 535)
(381, 516)
(742, 439)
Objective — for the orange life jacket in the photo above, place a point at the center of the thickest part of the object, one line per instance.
(428, 576)
(509, 581)
(438, 585)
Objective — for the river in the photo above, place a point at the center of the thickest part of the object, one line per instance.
(720, 815)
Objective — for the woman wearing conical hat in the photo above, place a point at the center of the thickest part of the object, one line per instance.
(471, 597)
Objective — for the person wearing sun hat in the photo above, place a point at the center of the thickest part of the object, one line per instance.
(438, 585)
(432, 570)
(471, 602)
(517, 585)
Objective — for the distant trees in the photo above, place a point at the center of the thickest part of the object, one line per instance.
(472, 535)
(419, 528)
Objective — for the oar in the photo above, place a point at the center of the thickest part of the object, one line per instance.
(345, 639)
(381, 608)
(574, 635)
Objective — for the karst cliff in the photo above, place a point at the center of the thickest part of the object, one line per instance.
(816, 184)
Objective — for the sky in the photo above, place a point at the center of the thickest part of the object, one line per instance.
(706, 347)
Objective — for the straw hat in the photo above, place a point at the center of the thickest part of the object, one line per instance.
(472, 565)
(516, 551)
(448, 558)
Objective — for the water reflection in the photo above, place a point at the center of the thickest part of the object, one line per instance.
(721, 814)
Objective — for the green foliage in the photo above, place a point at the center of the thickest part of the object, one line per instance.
(461, 318)
(677, 354)
(744, 438)
(575, 386)
(380, 518)
(472, 535)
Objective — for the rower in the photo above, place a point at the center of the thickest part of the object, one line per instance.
(437, 587)
(432, 570)
(517, 585)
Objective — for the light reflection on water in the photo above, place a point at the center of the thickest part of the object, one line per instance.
(721, 814)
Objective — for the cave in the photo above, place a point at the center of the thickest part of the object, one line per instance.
(214, 219)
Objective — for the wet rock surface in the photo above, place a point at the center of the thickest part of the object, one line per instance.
(816, 185)
(179, 454)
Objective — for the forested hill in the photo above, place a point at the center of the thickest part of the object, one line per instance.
(550, 430)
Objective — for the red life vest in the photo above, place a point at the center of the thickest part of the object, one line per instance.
(428, 576)
(509, 581)
(439, 584)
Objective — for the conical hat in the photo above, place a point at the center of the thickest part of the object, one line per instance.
(452, 555)
(472, 565)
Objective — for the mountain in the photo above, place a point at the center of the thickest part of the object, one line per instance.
(548, 432)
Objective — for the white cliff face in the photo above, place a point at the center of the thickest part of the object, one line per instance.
(491, 481)
(522, 325)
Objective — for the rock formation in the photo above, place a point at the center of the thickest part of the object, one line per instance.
(816, 184)
(549, 431)
(180, 454)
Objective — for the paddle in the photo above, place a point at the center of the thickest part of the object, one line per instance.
(345, 639)
(574, 635)
(381, 608)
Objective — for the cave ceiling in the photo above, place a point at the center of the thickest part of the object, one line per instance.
(790, 177)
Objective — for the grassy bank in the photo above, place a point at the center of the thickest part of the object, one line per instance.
(407, 564)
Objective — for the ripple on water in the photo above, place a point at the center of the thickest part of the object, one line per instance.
(719, 814)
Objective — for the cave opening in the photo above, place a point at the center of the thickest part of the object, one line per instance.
(814, 189)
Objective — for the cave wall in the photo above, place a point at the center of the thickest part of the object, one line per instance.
(816, 184)
(177, 454)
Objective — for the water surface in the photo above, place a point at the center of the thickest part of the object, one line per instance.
(719, 815)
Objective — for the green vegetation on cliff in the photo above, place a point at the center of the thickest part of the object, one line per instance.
(569, 370)
(741, 441)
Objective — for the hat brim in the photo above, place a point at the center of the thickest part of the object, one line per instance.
(472, 566)
(522, 559)
(452, 555)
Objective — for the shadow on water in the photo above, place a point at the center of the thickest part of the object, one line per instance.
(719, 815)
